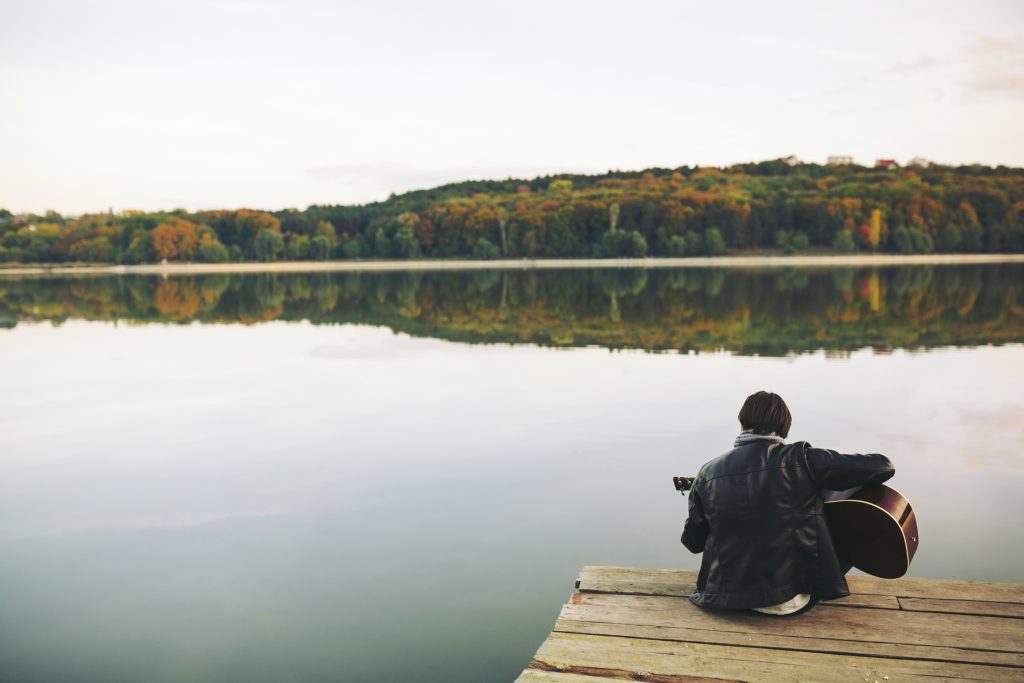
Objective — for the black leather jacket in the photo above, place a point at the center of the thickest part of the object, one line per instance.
(757, 515)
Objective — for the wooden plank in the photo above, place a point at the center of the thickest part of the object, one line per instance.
(591, 584)
(939, 589)
(1011, 610)
(597, 585)
(540, 676)
(861, 600)
(681, 582)
(841, 623)
(663, 658)
(571, 674)
(641, 582)
(804, 643)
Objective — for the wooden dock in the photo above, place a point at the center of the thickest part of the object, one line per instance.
(638, 625)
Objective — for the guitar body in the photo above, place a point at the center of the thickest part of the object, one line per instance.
(874, 529)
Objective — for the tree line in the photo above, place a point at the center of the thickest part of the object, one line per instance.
(687, 211)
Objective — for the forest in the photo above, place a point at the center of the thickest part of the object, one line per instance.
(766, 207)
(749, 312)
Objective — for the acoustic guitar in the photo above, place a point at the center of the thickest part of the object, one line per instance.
(873, 528)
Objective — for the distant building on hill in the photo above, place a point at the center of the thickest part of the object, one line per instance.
(919, 162)
(887, 164)
(791, 160)
(840, 160)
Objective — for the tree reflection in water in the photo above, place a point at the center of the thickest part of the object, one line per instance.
(766, 312)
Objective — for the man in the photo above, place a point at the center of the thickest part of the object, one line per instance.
(757, 514)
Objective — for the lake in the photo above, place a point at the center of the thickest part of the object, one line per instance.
(396, 476)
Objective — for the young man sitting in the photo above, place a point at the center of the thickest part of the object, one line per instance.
(757, 514)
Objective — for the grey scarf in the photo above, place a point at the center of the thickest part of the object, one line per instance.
(747, 437)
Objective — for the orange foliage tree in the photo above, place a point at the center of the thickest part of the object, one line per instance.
(175, 238)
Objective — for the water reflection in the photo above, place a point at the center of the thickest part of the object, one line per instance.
(768, 312)
(325, 501)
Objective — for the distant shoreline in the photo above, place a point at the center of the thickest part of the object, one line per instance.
(514, 264)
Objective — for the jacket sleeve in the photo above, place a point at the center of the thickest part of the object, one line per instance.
(695, 531)
(837, 471)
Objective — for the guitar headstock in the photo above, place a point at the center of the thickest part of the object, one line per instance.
(683, 484)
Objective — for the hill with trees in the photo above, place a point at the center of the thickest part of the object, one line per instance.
(688, 211)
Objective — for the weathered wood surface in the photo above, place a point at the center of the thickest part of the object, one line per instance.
(637, 624)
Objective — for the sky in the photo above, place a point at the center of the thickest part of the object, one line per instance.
(147, 104)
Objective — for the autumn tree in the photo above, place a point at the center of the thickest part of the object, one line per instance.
(249, 225)
(175, 238)
(969, 227)
(95, 250)
(560, 186)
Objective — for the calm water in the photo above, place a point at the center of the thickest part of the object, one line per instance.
(396, 477)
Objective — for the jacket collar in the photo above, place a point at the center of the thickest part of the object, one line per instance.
(748, 436)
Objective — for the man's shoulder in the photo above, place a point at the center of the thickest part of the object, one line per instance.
(734, 461)
(795, 448)
(788, 454)
(748, 458)
(712, 467)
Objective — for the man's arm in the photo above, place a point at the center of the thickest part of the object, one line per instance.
(695, 531)
(838, 471)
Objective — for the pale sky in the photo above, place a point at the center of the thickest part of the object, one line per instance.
(154, 104)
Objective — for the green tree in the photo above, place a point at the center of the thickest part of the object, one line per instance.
(714, 243)
(623, 244)
(902, 240)
(140, 250)
(405, 243)
(297, 247)
(637, 245)
(353, 248)
(324, 241)
(320, 248)
(948, 238)
(485, 249)
(268, 245)
(843, 243)
(382, 244)
(326, 230)
(922, 241)
(212, 252)
(694, 243)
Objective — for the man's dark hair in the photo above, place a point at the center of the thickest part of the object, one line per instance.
(766, 413)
